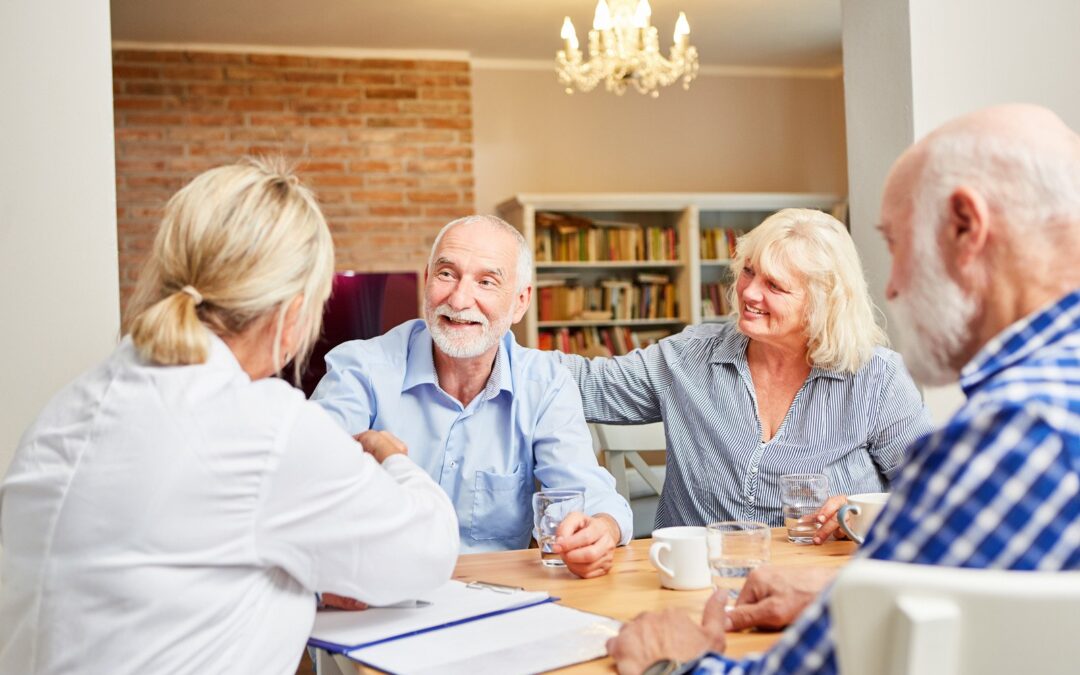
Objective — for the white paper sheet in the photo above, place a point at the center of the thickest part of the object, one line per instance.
(452, 602)
(530, 640)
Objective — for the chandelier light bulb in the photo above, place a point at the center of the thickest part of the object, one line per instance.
(602, 17)
(569, 34)
(642, 14)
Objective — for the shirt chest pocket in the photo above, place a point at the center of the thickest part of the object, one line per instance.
(501, 508)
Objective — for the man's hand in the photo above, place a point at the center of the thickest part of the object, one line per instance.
(342, 602)
(381, 444)
(830, 526)
(587, 543)
(773, 597)
(669, 634)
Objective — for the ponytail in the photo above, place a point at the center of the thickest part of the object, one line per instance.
(169, 332)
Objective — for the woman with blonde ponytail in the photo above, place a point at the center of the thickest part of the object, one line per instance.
(797, 380)
(177, 507)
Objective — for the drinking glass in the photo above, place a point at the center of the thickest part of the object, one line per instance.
(735, 548)
(549, 509)
(802, 496)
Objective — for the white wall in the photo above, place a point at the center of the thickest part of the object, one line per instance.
(912, 64)
(58, 257)
(724, 134)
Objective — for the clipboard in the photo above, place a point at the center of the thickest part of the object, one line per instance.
(452, 604)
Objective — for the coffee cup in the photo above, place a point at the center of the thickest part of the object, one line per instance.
(681, 556)
(863, 509)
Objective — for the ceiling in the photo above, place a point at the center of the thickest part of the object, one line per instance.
(739, 33)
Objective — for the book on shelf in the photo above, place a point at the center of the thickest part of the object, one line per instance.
(595, 340)
(564, 237)
(718, 243)
(714, 300)
(651, 296)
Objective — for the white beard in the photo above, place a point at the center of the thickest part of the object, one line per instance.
(464, 347)
(933, 317)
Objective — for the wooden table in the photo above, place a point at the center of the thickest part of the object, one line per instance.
(633, 586)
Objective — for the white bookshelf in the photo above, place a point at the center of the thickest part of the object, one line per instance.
(688, 213)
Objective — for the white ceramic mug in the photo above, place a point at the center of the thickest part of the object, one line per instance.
(681, 557)
(864, 509)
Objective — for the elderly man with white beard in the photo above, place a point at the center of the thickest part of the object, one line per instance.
(982, 218)
(486, 418)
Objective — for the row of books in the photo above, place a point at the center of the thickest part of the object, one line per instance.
(718, 243)
(714, 300)
(571, 238)
(594, 341)
(648, 296)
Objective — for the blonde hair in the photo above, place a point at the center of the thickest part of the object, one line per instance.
(236, 244)
(817, 250)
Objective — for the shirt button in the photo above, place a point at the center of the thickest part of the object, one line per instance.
(753, 469)
(751, 500)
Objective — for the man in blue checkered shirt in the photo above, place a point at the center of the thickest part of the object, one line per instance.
(982, 218)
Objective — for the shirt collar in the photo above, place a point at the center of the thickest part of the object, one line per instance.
(420, 364)
(1022, 339)
(731, 348)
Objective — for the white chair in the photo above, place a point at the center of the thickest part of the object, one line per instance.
(899, 619)
(641, 483)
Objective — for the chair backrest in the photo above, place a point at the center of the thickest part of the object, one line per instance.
(622, 443)
(900, 619)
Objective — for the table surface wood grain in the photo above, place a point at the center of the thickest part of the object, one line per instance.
(633, 585)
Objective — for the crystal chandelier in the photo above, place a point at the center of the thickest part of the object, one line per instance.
(624, 49)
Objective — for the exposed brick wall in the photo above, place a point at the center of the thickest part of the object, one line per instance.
(387, 145)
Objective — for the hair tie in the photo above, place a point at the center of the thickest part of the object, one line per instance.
(195, 295)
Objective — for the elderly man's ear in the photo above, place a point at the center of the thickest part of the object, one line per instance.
(967, 230)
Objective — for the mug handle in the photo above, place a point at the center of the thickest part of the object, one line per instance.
(654, 557)
(854, 510)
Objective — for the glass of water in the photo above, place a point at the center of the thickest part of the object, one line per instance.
(802, 496)
(550, 507)
(736, 547)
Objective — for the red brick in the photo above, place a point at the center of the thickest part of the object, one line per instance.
(387, 64)
(308, 166)
(432, 166)
(256, 104)
(394, 210)
(215, 57)
(139, 134)
(375, 135)
(448, 212)
(418, 80)
(153, 88)
(336, 180)
(195, 90)
(393, 181)
(260, 89)
(393, 122)
(284, 119)
(436, 151)
(154, 119)
(375, 107)
(391, 92)
(335, 121)
(310, 76)
(373, 166)
(319, 91)
(315, 106)
(447, 122)
(232, 150)
(131, 103)
(171, 183)
(322, 135)
(246, 74)
(278, 60)
(371, 78)
(429, 107)
(140, 72)
(196, 134)
(337, 151)
(376, 196)
(194, 73)
(229, 120)
(147, 56)
(129, 166)
(442, 197)
(445, 94)
(427, 137)
(257, 134)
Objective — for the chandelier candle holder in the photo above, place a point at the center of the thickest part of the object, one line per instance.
(624, 50)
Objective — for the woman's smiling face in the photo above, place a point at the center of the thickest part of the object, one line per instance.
(772, 309)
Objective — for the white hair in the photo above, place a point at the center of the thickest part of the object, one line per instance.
(524, 255)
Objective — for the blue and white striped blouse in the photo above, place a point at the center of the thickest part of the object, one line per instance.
(851, 427)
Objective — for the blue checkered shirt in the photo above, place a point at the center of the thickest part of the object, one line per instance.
(997, 487)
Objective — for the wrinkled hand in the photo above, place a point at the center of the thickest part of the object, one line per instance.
(773, 597)
(669, 634)
(381, 444)
(587, 543)
(342, 602)
(830, 526)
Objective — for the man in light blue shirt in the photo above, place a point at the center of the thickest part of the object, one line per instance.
(485, 417)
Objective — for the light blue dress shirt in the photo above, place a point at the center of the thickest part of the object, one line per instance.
(526, 426)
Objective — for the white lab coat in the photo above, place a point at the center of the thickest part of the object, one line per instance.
(179, 519)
